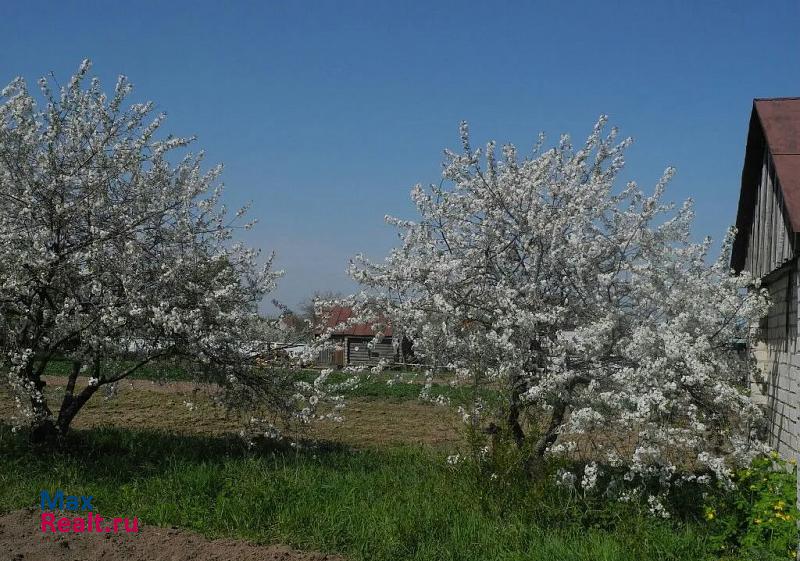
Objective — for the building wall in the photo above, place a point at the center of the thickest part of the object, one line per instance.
(355, 351)
(358, 351)
(771, 242)
(332, 357)
(777, 353)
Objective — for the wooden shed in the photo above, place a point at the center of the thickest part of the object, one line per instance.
(354, 341)
(768, 223)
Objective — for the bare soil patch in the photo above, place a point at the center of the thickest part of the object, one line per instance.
(187, 408)
(22, 540)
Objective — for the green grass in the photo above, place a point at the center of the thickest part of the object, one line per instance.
(377, 388)
(395, 504)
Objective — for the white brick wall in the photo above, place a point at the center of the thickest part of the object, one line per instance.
(777, 353)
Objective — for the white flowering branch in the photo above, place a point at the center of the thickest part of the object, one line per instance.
(588, 305)
(117, 251)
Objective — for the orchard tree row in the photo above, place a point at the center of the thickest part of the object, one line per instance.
(584, 301)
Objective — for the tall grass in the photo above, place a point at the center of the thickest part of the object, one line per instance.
(396, 504)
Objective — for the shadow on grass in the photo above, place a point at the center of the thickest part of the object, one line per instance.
(120, 455)
(398, 503)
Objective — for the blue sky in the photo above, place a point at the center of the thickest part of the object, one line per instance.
(325, 114)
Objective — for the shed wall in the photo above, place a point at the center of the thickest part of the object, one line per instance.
(771, 240)
(776, 352)
(358, 351)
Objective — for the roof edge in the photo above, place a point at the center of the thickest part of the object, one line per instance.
(747, 191)
(790, 98)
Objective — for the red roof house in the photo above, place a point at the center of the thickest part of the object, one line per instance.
(354, 342)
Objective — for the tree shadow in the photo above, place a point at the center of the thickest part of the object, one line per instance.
(122, 455)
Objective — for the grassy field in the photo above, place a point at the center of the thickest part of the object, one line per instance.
(376, 487)
(374, 386)
(399, 503)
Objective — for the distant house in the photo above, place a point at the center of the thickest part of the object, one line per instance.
(354, 341)
(289, 322)
(766, 245)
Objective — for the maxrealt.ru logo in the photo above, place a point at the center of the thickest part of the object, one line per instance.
(78, 524)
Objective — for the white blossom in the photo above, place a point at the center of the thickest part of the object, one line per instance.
(586, 303)
(454, 459)
(590, 475)
(117, 251)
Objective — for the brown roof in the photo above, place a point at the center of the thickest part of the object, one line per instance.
(775, 122)
(340, 314)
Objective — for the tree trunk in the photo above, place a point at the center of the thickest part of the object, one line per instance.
(48, 431)
(43, 428)
(513, 413)
(550, 434)
(44, 432)
(534, 461)
(70, 407)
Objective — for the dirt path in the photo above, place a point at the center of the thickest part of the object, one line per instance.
(22, 540)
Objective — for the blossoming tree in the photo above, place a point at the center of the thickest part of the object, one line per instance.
(589, 306)
(116, 252)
